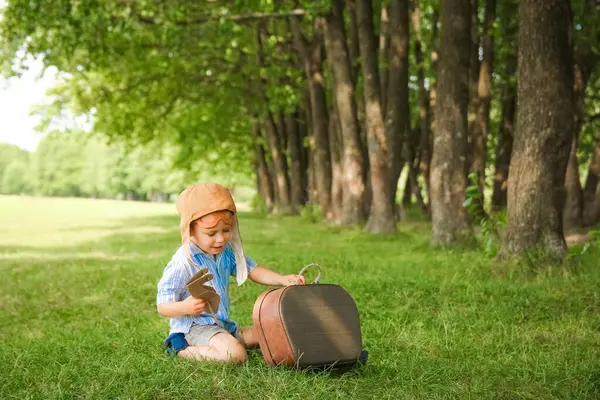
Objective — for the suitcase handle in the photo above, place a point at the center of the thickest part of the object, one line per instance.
(303, 270)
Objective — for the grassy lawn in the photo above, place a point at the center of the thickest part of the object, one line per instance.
(78, 316)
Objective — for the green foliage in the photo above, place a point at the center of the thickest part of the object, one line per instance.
(591, 246)
(14, 176)
(177, 73)
(490, 224)
(312, 213)
(438, 324)
(15, 179)
(57, 164)
(259, 205)
(80, 165)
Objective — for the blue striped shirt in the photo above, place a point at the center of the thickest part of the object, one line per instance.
(172, 285)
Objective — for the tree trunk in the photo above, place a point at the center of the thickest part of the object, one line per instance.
(397, 111)
(354, 51)
(432, 96)
(282, 128)
(295, 154)
(573, 211)
(407, 192)
(585, 63)
(272, 176)
(474, 66)
(382, 213)
(384, 52)
(507, 120)
(280, 168)
(424, 110)
(337, 188)
(504, 145)
(264, 184)
(449, 163)
(353, 160)
(312, 54)
(482, 100)
(591, 212)
(274, 141)
(545, 128)
(303, 138)
(413, 168)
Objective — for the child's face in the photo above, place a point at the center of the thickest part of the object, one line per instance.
(211, 240)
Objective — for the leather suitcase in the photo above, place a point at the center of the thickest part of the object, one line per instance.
(313, 325)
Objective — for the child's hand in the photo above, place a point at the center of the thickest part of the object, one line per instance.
(194, 306)
(289, 280)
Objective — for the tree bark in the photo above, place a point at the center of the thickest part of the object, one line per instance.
(573, 211)
(312, 55)
(432, 98)
(382, 213)
(353, 51)
(274, 141)
(272, 175)
(280, 168)
(282, 128)
(424, 155)
(337, 188)
(545, 128)
(303, 138)
(397, 112)
(413, 168)
(295, 154)
(585, 62)
(353, 167)
(407, 192)
(507, 120)
(474, 66)
(480, 126)
(384, 53)
(264, 184)
(505, 143)
(591, 210)
(449, 163)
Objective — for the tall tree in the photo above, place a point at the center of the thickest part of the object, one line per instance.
(397, 110)
(424, 155)
(508, 104)
(480, 125)
(474, 65)
(353, 160)
(381, 149)
(295, 150)
(586, 38)
(591, 198)
(427, 142)
(311, 53)
(449, 163)
(337, 188)
(545, 128)
(275, 140)
(264, 182)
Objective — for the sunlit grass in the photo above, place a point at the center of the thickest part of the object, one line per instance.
(79, 319)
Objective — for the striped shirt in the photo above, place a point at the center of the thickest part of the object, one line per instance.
(172, 285)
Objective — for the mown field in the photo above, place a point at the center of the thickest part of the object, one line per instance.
(78, 315)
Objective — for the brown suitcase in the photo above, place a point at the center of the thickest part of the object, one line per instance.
(308, 325)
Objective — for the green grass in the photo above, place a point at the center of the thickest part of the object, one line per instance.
(78, 316)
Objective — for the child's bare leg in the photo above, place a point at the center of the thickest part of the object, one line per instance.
(248, 336)
(222, 347)
(200, 353)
